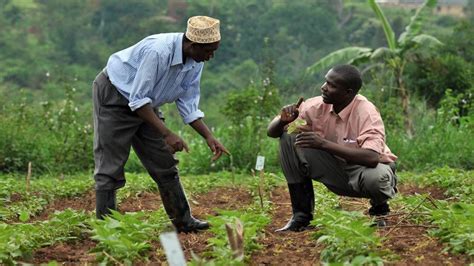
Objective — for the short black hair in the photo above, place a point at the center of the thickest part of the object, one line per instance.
(351, 76)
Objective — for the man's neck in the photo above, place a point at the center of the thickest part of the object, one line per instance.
(339, 107)
(185, 46)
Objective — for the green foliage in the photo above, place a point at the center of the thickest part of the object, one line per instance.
(347, 237)
(19, 241)
(253, 222)
(431, 76)
(453, 221)
(18, 203)
(439, 139)
(126, 237)
(54, 137)
(456, 224)
(46, 52)
(458, 183)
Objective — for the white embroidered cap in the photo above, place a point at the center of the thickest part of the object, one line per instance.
(202, 29)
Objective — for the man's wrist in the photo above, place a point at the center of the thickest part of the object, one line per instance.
(282, 123)
(166, 132)
(324, 144)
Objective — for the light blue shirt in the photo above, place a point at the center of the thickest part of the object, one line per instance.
(152, 71)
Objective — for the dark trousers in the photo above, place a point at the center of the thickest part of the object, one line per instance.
(116, 130)
(378, 184)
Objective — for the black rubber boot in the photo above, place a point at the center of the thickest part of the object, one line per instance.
(302, 205)
(105, 200)
(379, 212)
(177, 207)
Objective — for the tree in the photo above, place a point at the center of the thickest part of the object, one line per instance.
(395, 56)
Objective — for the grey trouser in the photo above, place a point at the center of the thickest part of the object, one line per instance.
(378, 184)
(116, 129)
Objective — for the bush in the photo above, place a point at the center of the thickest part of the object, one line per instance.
(55, 137)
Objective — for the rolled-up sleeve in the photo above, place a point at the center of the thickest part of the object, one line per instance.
(188, 104)
(372, 133)
(144, 81)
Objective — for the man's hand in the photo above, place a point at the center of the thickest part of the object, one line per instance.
(175, 143)
(290, 112)
(216, 147)
(309, 140)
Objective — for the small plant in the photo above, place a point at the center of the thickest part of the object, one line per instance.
(18, 241)
(347, 236)
(458, 183)
(253, 222)
(456, 225)
(126, 237)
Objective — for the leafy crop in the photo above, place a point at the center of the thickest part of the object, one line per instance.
(456, 227)
(253, 221)
(20, 240)
(126, 237)
(347, 236)
(42, 191)
(458, 183)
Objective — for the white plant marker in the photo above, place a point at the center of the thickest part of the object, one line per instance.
(260, 163)
(259, 167)
(174, 253)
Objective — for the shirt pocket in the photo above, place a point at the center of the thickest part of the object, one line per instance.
(350, 142)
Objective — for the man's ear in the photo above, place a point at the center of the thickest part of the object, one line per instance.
(349, 91)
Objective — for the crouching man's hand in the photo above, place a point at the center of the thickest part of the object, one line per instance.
(310, 140)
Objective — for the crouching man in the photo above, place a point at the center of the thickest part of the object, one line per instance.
(342, 146)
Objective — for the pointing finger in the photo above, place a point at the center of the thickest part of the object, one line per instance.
(300, 101)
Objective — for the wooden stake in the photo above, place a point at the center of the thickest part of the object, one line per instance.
(236, 239)
(28, 178)
(261, 185)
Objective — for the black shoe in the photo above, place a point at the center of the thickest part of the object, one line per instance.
(294, 225)
(193, 225)
(302, 205)
(177, 207)
(105, 200)
(379, 212)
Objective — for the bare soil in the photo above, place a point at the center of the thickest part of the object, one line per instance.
(409, 242)
(202, 205)
(286, 248)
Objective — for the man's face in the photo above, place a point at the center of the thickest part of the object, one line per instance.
(333, 91)
(203, 52)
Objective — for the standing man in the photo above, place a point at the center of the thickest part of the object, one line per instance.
(161, 68)
(342, 146)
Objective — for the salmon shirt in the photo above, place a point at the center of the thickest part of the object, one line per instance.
(358, 125)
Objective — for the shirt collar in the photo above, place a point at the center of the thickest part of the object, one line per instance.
(178, 55)
(178, 51)
(344, 113)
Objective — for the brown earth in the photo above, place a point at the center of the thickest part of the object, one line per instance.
(289, 248)
(84, 202)
(202, 205)
(412, 189)
(411, 245)
(408, 241)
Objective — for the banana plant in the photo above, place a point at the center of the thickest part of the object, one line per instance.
(394, 55)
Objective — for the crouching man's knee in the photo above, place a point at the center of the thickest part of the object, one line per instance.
(379, 183)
